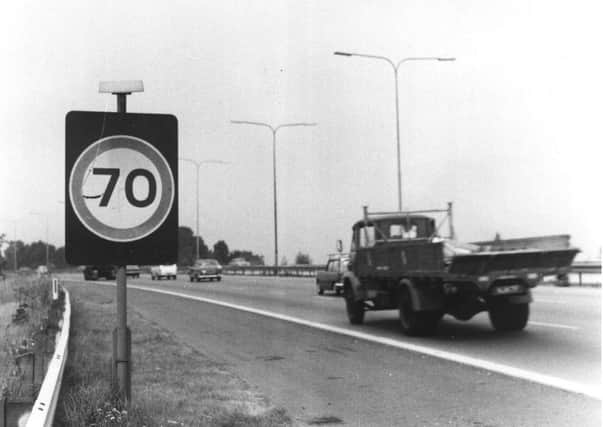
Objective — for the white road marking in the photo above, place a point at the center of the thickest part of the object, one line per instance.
(550, 301)
(507, 370)
(554, 325)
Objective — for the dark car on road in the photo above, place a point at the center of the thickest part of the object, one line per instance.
(133, 271)
(331, 279)
(95, 272)
(205, 269)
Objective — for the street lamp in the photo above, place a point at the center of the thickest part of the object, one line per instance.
(274, 130)
(14, 221)
(395, 67)
(46, 218)
(198, 165)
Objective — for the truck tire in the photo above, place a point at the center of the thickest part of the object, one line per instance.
(509, 317)
(319, 290)
(354, 308)
(416, 323)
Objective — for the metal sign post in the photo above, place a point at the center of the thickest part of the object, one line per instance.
(122, 336)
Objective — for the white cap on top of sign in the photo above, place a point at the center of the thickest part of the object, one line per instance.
(120, 86)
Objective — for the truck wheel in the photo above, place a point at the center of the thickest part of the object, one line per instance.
(354, 308)
(509, 317)
(319, 290)
(416, 323)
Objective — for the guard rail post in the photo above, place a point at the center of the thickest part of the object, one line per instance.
(3, 409)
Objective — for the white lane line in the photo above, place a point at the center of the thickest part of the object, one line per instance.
(507, 370)
(550, 301)
(554, 325)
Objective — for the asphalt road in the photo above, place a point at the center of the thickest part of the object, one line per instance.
(325, 377)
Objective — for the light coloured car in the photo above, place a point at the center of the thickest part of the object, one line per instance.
(159, 272)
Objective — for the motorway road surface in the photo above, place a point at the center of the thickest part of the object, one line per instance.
(325, 377)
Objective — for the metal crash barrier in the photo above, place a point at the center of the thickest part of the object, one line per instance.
(42, 412)
(579, 268)
(264, 270)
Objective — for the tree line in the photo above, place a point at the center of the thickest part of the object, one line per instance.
(33, 254)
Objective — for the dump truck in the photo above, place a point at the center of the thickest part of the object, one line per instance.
(398, 261)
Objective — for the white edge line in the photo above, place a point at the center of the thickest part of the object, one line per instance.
(507, 370)
(553, 325)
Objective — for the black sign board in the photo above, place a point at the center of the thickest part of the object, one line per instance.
(121, 188)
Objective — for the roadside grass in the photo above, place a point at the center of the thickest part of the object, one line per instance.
(35, 293)
(172, 383)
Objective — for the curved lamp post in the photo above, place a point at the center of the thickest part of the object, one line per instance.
(46, 218)
(395, 67)
(197, 166)
(274, 130)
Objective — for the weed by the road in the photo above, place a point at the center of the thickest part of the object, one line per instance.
(29, 298)
(172, 383)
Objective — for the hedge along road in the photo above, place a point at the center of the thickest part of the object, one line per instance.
(296, 298)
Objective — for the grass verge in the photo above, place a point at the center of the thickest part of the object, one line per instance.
(173, 384)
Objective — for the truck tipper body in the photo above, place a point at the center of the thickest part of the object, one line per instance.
(398, 261)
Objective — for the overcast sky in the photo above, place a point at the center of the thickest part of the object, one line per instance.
(509, 132)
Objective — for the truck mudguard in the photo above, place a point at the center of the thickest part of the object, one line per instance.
(357, 287)
(425, 297)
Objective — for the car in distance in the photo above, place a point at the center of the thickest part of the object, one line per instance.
(205, 269)
(159, 272)
(95, 272)
(331, 278)
(133, 271)
(239, 262)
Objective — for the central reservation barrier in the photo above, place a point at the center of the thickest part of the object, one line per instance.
(265, 270)
(579, 268)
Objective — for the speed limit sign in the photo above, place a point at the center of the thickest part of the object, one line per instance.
(121, 184)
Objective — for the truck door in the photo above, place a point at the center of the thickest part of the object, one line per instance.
(363, 260)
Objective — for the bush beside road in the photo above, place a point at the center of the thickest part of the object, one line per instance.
(172, 384)
(29, 321)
